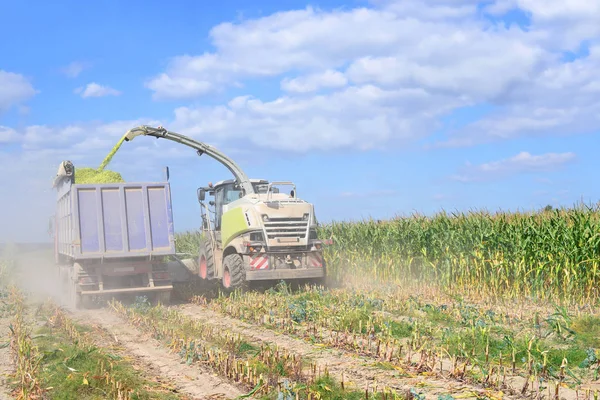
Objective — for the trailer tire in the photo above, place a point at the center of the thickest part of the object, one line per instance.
(206, 261)
(233, 272)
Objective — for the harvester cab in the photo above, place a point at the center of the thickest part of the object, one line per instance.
(251, 229)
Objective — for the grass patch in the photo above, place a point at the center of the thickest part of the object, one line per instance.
(587, 331)
(72, 371)
(401, 329)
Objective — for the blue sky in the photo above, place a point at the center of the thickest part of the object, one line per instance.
(374, 108)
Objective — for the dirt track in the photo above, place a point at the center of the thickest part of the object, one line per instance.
(5, 359)
(195, 381)
(356, 371)
(147, 354)
(38, 278)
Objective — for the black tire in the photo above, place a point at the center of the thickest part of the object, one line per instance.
(234, 276)
(206, 261)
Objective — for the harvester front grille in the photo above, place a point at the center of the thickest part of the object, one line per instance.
(286, 228)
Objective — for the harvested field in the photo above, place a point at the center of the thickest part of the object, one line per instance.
(470, 306)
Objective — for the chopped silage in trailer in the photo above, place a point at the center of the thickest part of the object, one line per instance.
(100, 175)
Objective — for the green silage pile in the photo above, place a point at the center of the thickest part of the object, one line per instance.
(91, 175)
(100, 175)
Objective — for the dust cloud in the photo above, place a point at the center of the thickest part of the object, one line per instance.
(34, 271)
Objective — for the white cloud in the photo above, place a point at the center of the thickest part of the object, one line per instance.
(391, 72)
(167, 87)
(448, 51)
(363, 117)
(14, 89)
(318, 42)
(559, 24)
(562, 99)
(310, 83)
(95, 90)
(74, 69)
(7, 134)
(523, 162)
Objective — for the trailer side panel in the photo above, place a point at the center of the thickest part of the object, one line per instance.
(115, 221)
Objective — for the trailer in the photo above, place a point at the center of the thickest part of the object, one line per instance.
(112, 239)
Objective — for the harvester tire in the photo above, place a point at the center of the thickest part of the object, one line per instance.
(233, 272)
(206, 261)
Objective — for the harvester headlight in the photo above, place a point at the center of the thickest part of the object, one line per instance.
(305, 216)
(265, 218)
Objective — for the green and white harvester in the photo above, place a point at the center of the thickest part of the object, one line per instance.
(251, 229)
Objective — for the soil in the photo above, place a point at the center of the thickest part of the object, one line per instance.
(196, 381)
(358, 372)
(6, 367)
(39, 278)
(148, 355)
(361, 370)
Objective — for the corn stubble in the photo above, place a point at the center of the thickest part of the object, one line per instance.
(449, 340)
(26, 356)
(265, 370)
(522, 263)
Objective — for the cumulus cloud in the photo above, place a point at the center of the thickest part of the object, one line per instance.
(74, 69)
(562, 99)
(329, 79)
(365, 117)
(421, 47)
(523, 162)
(370, 77)
(454, 53)
(558, 24)
(14, 89)
(95, 90)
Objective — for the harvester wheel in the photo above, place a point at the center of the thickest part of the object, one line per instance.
(206, 261)
(233, 272)
(322, 281)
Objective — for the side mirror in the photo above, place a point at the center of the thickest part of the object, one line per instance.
(201, 194)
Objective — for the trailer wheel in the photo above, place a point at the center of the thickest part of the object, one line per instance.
(206, 261)
(233, 272)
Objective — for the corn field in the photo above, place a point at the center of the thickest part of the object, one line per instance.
(548, 254)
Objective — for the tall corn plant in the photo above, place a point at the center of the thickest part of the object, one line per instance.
(552, 253)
